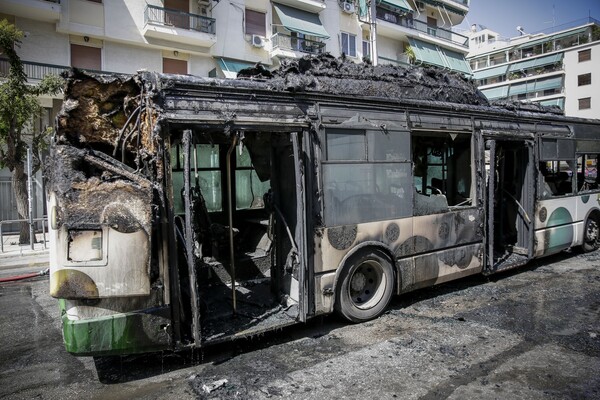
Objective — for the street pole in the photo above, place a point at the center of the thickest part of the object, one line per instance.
(30, 197)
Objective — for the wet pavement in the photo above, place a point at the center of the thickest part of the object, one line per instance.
(529, 334)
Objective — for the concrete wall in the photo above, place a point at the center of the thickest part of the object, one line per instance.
(573, 92)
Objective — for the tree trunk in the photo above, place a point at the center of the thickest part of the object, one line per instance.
(19, 184)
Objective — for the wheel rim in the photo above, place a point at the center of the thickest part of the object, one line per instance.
(367, 285)
(592, 231)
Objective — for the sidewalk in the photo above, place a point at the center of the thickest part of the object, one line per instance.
(20, 256)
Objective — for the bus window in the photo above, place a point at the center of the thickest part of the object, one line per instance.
(587, 173)
(556, 178)
(209, 176)
(366, 176)
(442, 171)
(249, 190)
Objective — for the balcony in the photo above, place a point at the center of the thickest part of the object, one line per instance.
(178, 26)
(290, 46)
(34, 71)
(39, 10)
(406, 21)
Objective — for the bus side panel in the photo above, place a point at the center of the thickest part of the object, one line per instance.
(334, 245)
(447, 246)
(559, 222)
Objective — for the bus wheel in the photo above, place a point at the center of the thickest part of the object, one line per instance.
(591, 234)
(365, 286)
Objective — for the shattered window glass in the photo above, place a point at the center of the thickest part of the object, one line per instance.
(442, 171)
(206, 162)
(556, 178)
(249, 190)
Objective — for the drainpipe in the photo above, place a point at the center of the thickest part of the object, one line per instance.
(373, 35)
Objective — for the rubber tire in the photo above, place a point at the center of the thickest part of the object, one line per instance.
(344, 304)
(589, 245)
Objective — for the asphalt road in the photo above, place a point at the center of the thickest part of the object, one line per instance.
(529, 334)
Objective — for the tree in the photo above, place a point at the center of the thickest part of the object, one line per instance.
(19, 106)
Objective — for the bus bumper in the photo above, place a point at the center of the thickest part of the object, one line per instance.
(122, 333)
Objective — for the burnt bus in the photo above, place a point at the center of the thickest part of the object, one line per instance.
(186, 211)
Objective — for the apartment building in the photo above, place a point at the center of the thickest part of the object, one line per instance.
(218, 38)
(555, 68)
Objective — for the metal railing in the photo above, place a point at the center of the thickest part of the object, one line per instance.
(288, 42)
(44, 221)
(179, 19)
(403, 60)
(33, 70)
(406, 21)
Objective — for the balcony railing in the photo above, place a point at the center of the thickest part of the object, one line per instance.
(406, 21)
(33, 70)
(179, 19)
(302, 45)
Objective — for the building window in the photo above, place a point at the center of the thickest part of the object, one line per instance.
(584, 79)
(585, 55)
(172, 66)
(255, 23)
(349, 44)
(86, 57)
(585, 103)
(366, 49)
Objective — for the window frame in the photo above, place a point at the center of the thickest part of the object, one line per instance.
(346, 51)
(89, 49)
(254, 29)
(584, 103)
(584, 79)
(584, 55)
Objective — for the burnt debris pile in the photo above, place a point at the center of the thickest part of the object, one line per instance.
(327, 74)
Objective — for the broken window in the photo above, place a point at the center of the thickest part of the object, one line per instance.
(205, 175)
(442, 171)
(366, 176)
(557, 178)
(249, 190)
(587, 172)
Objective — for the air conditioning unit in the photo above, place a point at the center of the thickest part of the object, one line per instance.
(258, 41)
(348, 7)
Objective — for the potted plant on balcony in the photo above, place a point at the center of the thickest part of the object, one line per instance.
(410, 53)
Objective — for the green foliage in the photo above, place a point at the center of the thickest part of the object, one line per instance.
(18, 101)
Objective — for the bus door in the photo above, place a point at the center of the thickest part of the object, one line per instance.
(510, 202)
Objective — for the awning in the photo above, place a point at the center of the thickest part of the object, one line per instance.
(488, 73)
(429, 53)
(550, 38)
(520, 88)
(300, 21)
(536, 62)
(549, 83)
(496, 93)
(230, 67)
(554, 102)
(401, 4)
(456, 61)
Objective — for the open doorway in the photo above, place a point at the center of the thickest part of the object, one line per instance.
(511, 192)
(240, 266)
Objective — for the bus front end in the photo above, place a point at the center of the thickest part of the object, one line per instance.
(103, 269)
